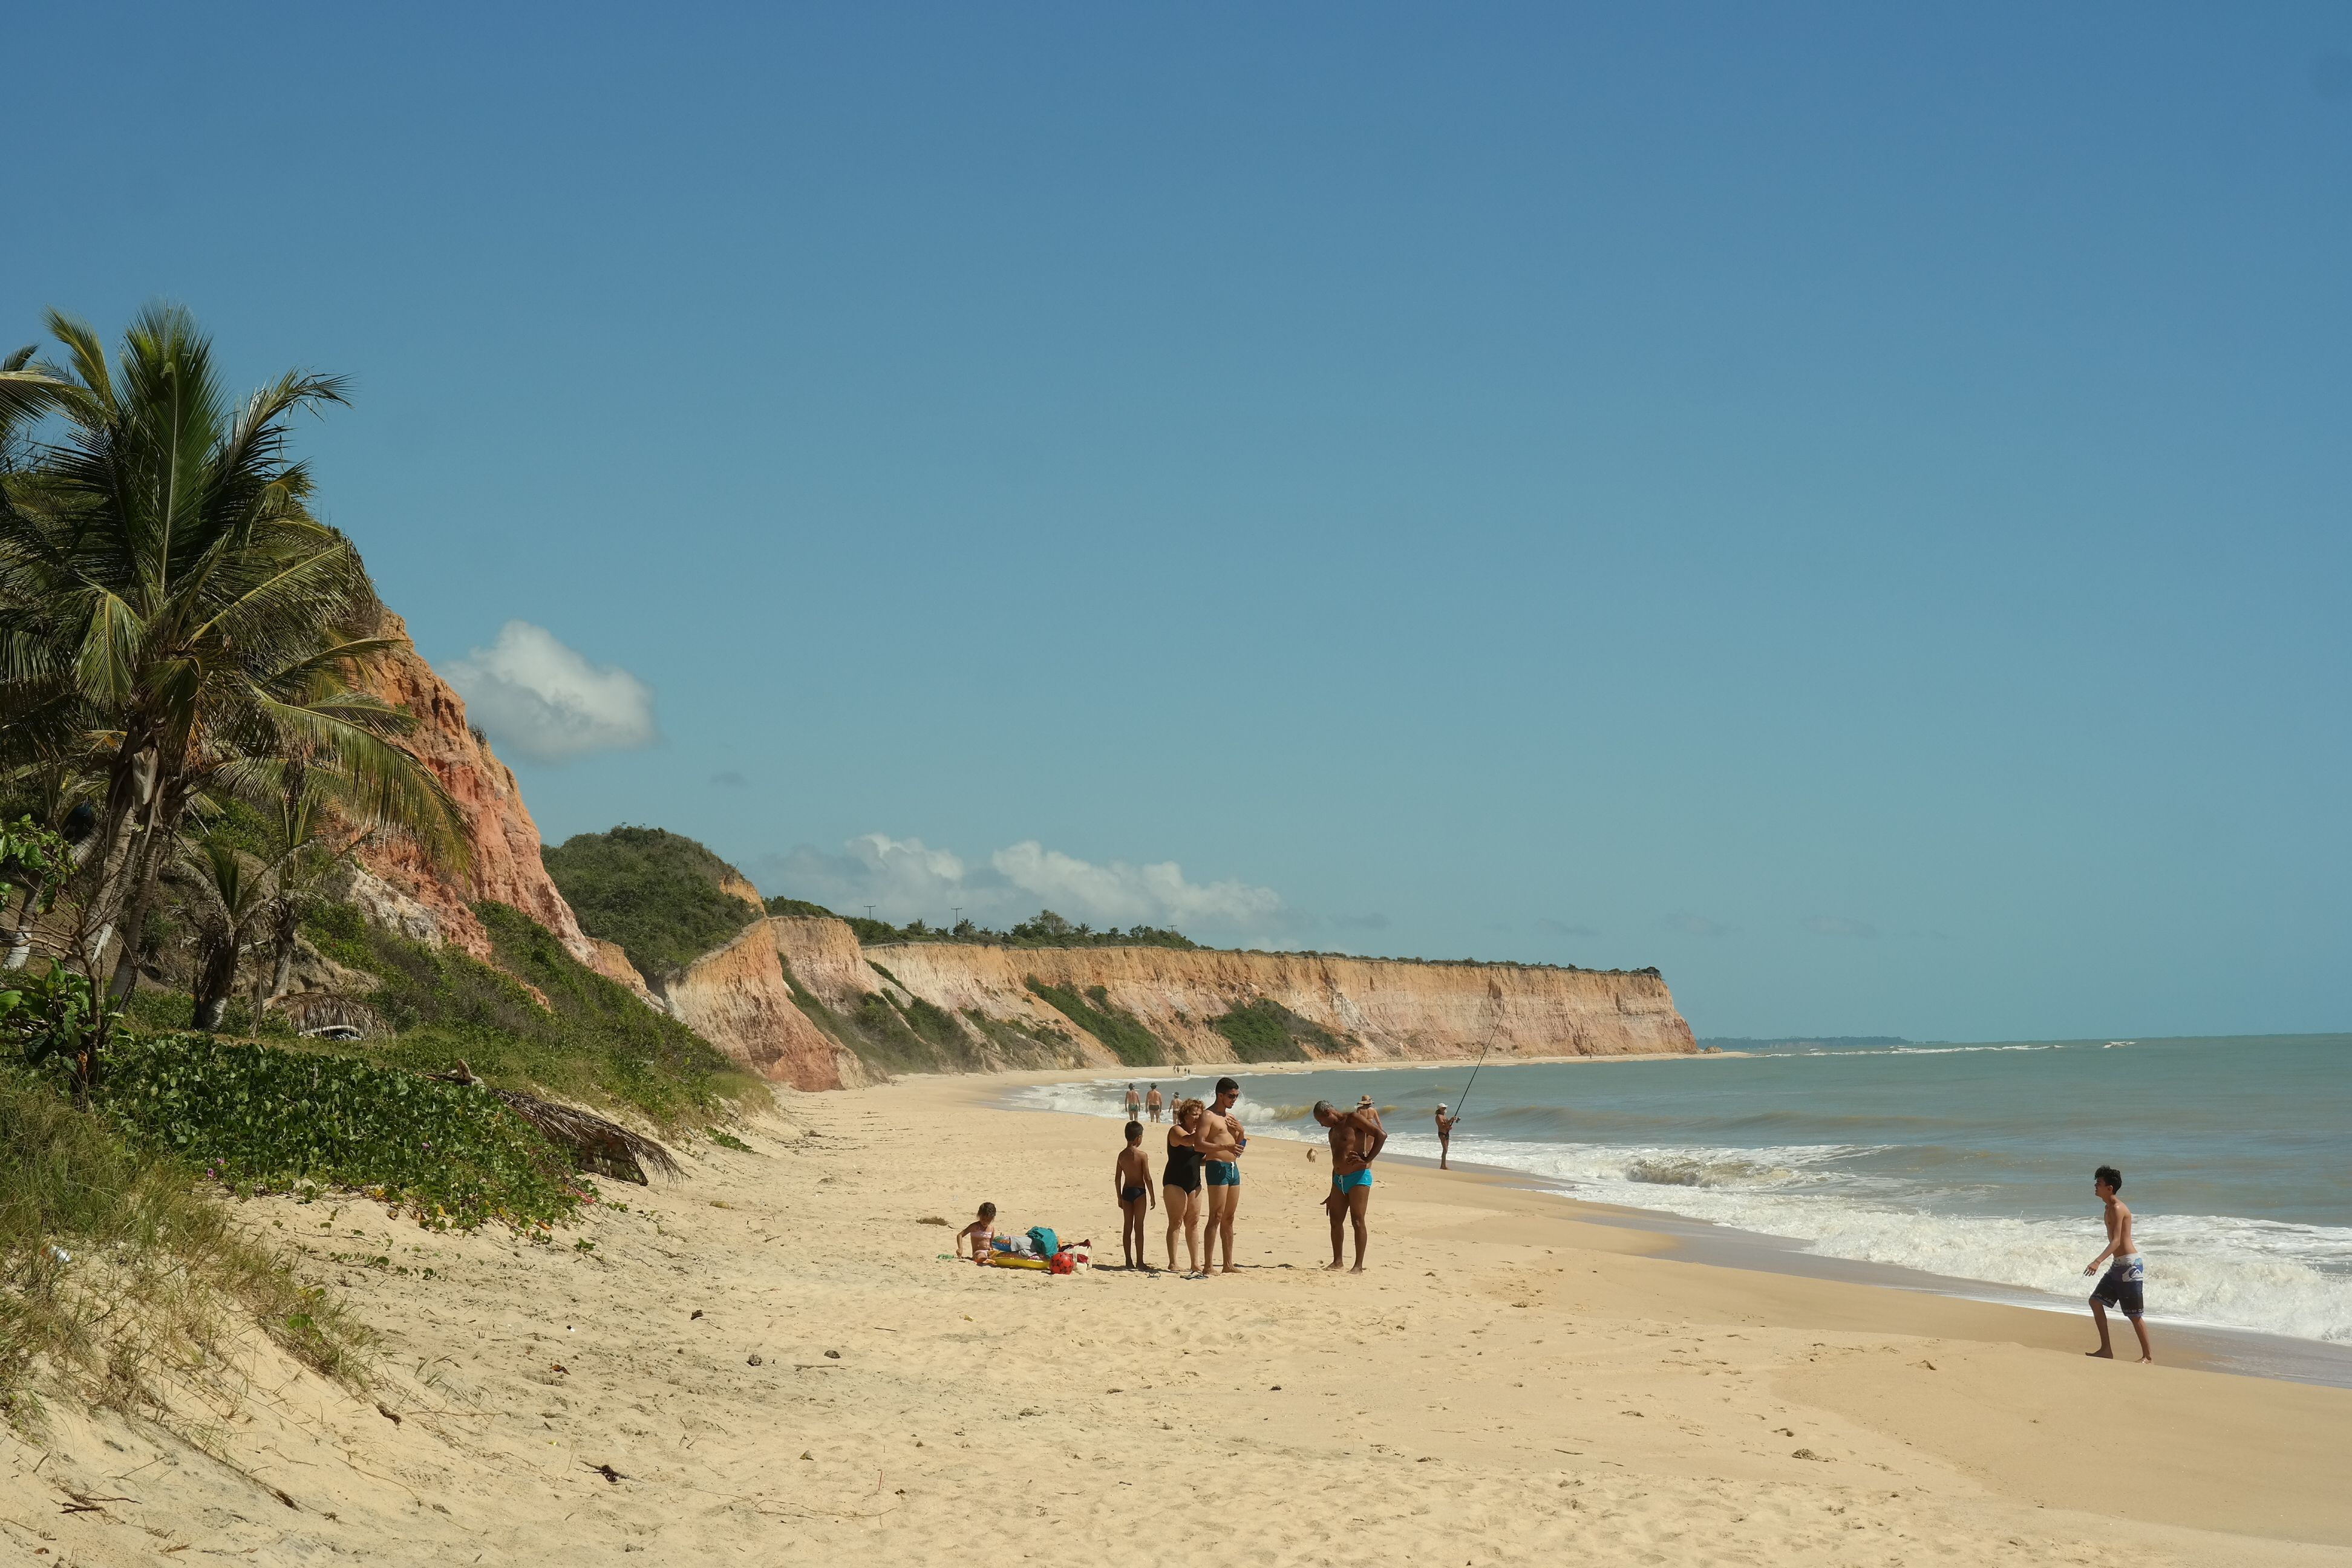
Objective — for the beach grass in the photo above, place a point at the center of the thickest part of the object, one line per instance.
(117, 1274)
(593, 1041)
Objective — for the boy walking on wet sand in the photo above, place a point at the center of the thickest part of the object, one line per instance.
(2121, 1286)
(1132, 1178)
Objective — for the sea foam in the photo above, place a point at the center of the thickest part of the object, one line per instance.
(2220, 1271)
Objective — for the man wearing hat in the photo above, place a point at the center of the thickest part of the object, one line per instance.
(1444, 1135)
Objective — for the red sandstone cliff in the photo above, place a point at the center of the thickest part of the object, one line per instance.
(425, 900)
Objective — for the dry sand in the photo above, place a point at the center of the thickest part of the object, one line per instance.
(773, 1359)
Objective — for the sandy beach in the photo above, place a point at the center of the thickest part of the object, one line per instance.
(769, 1362)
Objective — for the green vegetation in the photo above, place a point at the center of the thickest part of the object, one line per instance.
(654, 892)
(1025, 1045)
(1046, 929)
(798, 906)
(1266, 1031)
(595, 1041)
(265, 1117)
(1121, 1030)
(110, 1262)
(917, 1037)
(183, 632)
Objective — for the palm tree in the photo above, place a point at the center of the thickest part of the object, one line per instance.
(234, 897)
(174, 620)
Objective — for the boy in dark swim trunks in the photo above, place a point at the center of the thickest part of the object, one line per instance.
(2121, 1287)
(1132, 1177)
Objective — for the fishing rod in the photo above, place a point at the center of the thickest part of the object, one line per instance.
(1474, 1079)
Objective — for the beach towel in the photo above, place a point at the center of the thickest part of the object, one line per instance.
(1043, 1236)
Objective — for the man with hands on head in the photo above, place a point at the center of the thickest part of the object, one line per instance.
(1357, 1139)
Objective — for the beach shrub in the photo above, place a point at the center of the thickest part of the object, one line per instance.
(654, 892)
(1045, 929)
(1024, 1045)
(268, 1118)
(1122, 1031)
(798, 906)
(1266, 1031)
(113, 1265)
(917, 1037)
(594, 1041)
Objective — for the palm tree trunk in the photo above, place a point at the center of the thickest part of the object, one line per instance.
(139, 898)
(286, 925)
(215, 982)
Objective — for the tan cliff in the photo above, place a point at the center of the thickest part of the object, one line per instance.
(1370, 1009)
(1375, 1009)
(864, 1011)
(737, 999)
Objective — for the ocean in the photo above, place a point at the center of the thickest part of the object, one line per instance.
(1971, 1161)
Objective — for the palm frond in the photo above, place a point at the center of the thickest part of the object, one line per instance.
(595, 1144)
(379, 783)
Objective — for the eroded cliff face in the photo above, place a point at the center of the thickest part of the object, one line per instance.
(498, 825)
(737, 999)
(1377, 1010)
(741, 997)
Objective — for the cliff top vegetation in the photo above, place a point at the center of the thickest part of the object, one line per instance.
(1043, 928)
(655, 892)
(1047, 929)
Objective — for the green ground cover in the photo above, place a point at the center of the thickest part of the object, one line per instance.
(595, 1041)
(1266, 1031)
(1122, 1031)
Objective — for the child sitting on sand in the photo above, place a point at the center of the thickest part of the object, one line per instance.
(979, 1233)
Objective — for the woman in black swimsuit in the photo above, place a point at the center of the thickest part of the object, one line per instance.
(1179, 1192)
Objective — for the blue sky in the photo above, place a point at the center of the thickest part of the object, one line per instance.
(1847, 507)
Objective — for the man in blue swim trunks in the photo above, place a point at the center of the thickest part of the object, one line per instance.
(1220, 1139)
(1357, 1139)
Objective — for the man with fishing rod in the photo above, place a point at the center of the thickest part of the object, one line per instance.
(1446, 1124)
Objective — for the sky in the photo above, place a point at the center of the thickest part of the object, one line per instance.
(1843, 504)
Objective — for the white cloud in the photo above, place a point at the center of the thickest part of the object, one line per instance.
(1690, 924)
(541, 700)
(1839, 925)
(906, 879)
(1121, 894)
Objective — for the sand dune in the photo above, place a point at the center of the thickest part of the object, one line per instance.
(1509, 1383)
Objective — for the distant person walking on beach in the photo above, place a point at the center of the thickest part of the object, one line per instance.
(2121, 1286)
(1180, 1188)
(1357, 1139)
(1221, 1142)
(1131, 1177)
(1151, 1103)
(1445, 1125)
(1134, 1103)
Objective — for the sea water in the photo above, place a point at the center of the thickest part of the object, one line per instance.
(1973, 1162)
